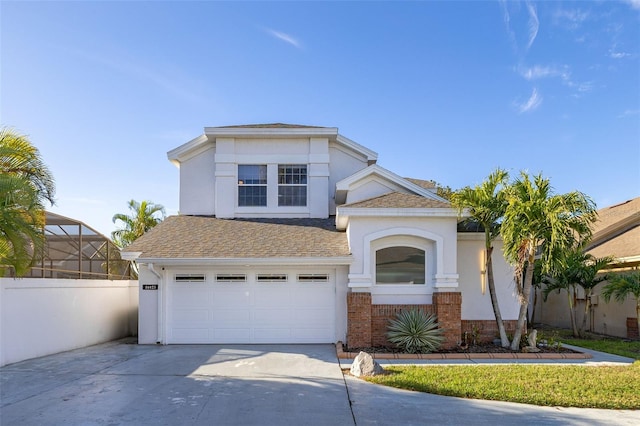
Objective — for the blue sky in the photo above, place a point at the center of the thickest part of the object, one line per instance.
(441, 90)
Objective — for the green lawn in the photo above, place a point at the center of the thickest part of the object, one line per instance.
(630, 349)
(615, 387)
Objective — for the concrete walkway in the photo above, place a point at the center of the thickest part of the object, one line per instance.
(120, 383)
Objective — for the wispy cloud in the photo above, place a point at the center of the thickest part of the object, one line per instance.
(629, 113)
(534, 23)
(507, 23)
(614, 53)
(534, 101)
(121, 63)
(571, 18)
(635, 4)
(285, 37)
(537, 72)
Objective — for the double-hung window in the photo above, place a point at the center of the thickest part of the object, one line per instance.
(292, 185)
(252, 185)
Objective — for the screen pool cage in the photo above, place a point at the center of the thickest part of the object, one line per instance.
(76, 251)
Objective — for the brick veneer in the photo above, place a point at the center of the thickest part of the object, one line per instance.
(632, 328)
(487, 329)
(367, 323)
(449, 311)
(380, 316)
(359, 320)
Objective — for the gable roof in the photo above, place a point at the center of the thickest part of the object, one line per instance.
(343, 186)
(199, 237)
(617, 232)
(399, 200)
(269, 130)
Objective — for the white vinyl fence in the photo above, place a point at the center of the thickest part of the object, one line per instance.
(45, 316)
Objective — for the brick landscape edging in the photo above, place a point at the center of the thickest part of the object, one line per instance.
(438, 356)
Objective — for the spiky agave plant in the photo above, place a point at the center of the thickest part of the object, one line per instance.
(414, 331)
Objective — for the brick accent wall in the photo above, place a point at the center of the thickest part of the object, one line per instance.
(380, 316)
(487, 329)
(632, 328)
(367, 323)
(448, 308)
(359, 320)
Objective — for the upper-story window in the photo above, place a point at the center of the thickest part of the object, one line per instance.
(252, 185)
(292, 185)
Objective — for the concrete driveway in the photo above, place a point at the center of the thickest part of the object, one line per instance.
(119, 383)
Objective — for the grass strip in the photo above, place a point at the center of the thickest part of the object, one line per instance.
(612, 387)
(628, 348)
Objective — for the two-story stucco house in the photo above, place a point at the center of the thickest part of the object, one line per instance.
(294, 234)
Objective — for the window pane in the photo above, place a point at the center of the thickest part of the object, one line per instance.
(292, 195)
(252, 175)
(292, 175)
(400, 265)
(252, 195)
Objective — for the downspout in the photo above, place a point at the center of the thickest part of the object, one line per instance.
(160, 290)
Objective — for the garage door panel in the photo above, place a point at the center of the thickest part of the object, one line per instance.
(231, 297)
(231, 317)
(191, 296)
(190, 335)
(252, 312)
(231, 335)
(273, 317)
(272, 295)
(190, 315)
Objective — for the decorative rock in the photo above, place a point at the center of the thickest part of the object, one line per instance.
(365, 365)
(532, 348)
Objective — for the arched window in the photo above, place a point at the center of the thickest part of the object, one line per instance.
(400, 265)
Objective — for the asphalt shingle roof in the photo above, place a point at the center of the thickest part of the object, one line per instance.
(184, 237)
(426, 184)
(399, 200)
(623, 242)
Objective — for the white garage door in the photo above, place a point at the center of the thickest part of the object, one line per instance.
(292, 307)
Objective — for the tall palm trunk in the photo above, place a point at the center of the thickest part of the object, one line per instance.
(504, 340)
(524, 302)
(587, 312)
(572, 311)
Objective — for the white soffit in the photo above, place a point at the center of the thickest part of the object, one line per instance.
(188, 150)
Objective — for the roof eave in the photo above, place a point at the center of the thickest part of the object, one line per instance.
(247, 261)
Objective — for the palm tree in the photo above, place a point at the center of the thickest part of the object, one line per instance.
(486, 204)
(588, 279)
(144, 217)
(565, 277)
(26, 184)
(621, 286)
(540, 225)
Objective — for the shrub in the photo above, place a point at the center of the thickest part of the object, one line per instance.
(415, 331)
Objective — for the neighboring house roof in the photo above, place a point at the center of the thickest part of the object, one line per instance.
(617, 233)
(426, 184)
(191, 237)
(399, 200)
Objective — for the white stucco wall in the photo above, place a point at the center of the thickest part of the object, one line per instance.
(342, 165)
(437, 236)
(475, 304)
(45, 316)
(197, 184)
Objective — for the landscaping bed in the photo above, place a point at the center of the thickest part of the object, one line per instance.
(481, 351)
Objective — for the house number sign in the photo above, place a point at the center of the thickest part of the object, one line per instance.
(149, 286)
